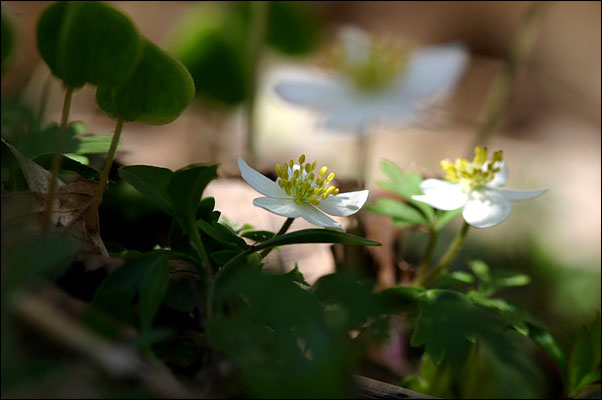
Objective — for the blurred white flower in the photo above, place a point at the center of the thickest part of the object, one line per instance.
(299, 192)
(377, 83)
(476, 186)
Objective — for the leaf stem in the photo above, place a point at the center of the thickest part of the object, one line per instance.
(453, 249)
(428, 254)
(91, 213)
(56, 159)
(282, 230)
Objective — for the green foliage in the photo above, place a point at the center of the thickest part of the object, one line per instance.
(410, 212)
(155, 93)
(88, 41)
(34, 258)
(8, 40)
(314, 236)
(151, 182)
(211, 43)
(584, 362)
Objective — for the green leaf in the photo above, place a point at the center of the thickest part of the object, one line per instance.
(69, 164)
(548, 343)
(403, 299)
(34, 258)
(583, 360)
(398, 210)
(153, 287)
(222, 234)
(454, 278)
(185, 190)
(67, 32)
(315, 236)
(451, 313)
(156, 93)
(151, 181)
(296, 276)
(405, 185)
(211, 42)
(223, 256)
(258, 236)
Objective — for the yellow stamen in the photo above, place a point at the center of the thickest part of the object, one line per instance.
(302, 184)
(476, 173)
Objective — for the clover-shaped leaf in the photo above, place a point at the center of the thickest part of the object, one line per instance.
(156, 93)
(88, 41)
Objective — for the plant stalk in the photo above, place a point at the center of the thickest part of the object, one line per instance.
(428, 254)
(91, 213)
(453, 249)
(282, 231)
(56, 159)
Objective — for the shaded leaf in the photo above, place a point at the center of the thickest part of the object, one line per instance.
(258, 236)
(152, 287)
(151, 181)
(315, 236)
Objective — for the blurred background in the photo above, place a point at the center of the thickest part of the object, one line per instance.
(550, 133)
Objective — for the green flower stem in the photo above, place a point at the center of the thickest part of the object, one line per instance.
(453, 249)
(234, 260)
(282, 231)
(503, 85)
(259, 14)
(56, 159)
(91, 213)
(428, 254)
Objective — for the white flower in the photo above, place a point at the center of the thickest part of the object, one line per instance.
(476, 186)
(377, 83)
(299, 192)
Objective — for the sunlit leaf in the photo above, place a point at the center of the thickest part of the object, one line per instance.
(398, 210)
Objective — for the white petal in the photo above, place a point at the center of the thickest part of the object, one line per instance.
(519, 195)
(285, 207)
(499, 179)
(487, 209)
(306, 93)
(316, 217)
(442, 194)
(344, 204)
(261, 183)
(434, 70)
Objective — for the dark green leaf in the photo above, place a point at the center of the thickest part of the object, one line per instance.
(185, 190)
(403, 299)
(315, 236)
(223, 256)
(582, 361)
(67, 32)
(547, 342)
(454, 278)
(258, 236)
(222, 234)
(156, 93)
(296, 276)
(151, 181)
(68, 164)
(293, 27)
(152, 287)
(34, 258)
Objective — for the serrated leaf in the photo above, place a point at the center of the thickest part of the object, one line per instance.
(151, 181)
(398, 210)
(66, 32)
(156, 93)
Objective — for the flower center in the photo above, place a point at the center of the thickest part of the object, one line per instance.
(471, 175)
(300, 182)
(370, 62)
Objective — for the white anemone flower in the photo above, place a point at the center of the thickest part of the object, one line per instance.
(476, 186)
(299, 192)
(377, 82)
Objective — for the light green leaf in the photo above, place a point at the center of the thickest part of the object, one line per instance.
(398, 210)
